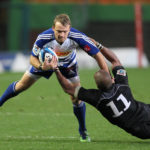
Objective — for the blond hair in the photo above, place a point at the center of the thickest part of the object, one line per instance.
(63, 19)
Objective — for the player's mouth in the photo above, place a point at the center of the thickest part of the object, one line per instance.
(61, 39)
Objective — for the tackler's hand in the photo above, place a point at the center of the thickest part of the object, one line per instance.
(54, 63)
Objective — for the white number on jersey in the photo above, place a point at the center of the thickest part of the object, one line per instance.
(115, 110)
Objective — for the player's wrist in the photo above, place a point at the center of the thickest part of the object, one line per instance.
(99, 45)
(56, 69)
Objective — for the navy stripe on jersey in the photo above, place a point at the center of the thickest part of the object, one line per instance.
(68, 62)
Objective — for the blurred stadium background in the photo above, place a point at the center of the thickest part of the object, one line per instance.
(122, 25)
(41, 118)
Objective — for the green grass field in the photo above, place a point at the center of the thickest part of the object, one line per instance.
(41, 118)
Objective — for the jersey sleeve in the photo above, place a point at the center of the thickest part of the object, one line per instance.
(35, 50)
(120, 75)
(83, 41)
(41, 40)
(90, 96)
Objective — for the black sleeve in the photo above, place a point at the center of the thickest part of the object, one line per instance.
(90, 96)
(120, 75)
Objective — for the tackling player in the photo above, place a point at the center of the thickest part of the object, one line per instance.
(64, 40)
(114, 100)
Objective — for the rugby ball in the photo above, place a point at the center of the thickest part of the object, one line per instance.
(46, 53)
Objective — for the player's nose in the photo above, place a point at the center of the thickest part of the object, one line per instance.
(62, 34)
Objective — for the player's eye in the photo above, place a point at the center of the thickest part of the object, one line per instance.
(62, 31)
(59, 31)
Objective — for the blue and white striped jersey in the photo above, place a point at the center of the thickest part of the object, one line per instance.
(66, 52)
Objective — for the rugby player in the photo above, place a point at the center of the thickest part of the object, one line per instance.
(113, 99)
(64, 40)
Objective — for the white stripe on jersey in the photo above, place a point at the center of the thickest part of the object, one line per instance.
(67, 63)
(45, 36)
(79, 35)
(73, 62)
(83, 37)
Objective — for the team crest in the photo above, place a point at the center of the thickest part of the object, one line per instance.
(36, 50)
(87, 48)
(121, 72)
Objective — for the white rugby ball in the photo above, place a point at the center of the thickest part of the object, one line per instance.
(46, 53)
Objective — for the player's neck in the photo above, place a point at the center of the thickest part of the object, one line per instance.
(60, 43)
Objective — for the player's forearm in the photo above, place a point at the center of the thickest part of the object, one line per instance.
(101, 61)
(110, 56)
(65, 84)
(35, 62)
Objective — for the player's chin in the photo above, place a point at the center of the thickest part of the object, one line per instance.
(61, 40)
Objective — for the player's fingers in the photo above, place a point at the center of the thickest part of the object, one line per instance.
(55, 62)
(53, 59)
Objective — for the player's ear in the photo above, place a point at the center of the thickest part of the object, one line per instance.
(70, 28)
(53, 27)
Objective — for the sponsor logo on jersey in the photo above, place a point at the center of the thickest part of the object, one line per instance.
(87, 48)
(121, 72)
(62, 53)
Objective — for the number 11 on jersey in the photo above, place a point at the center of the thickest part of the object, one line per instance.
(114, 108)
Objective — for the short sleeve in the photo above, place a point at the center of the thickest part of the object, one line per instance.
(91, 96)
(120, 75)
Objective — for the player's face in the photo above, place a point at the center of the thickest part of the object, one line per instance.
(61, 32)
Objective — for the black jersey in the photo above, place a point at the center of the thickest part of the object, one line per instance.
(117, 104)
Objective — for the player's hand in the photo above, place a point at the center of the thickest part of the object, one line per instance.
(50, 65)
